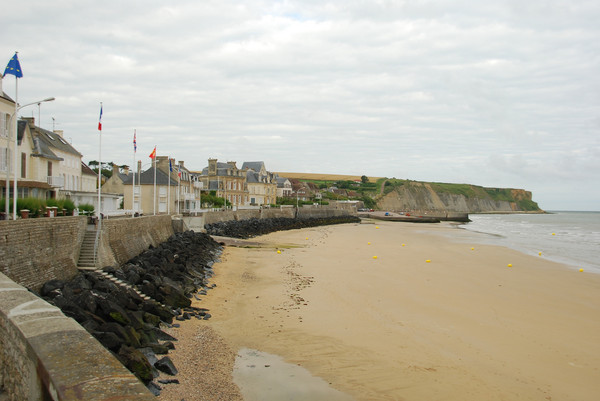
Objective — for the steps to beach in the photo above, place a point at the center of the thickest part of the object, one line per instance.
(86, 254)
(124, 284)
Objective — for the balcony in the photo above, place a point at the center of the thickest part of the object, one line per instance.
(189, 197)
(56, 182)
(199, 185)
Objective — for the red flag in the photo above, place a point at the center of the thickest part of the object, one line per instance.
(153, 154)
(100, 120)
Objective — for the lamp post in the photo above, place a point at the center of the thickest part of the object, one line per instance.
(15, 196)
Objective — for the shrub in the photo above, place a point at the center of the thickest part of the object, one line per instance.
(69, 205)
(34, 205)
(86, 209)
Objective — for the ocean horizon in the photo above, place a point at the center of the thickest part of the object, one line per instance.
(568, 237)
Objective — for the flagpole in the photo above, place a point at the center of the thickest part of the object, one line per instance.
(100, 164)
(154, 199)
(15, 196)
(169, 189)
(133, 174)
(178, 187)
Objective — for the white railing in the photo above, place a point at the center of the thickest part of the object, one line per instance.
(189, 197)
(199, 185)
(56, 181)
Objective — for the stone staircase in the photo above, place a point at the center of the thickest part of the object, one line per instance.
(124, 284)
(86, 253)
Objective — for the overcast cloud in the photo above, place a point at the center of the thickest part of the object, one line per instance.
(503, 94)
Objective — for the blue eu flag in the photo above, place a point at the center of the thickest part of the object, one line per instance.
(14, 67)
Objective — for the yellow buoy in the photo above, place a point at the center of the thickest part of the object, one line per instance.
(403, 244)
(428, 261)
(580, 270)
(368, 243)
(278, 251)
(376, 226)
(539, 253)
(509, 265)
(374, 257)
(553, 233)
(472, 248)
(306, 238)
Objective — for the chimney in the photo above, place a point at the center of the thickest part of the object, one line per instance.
(212, 166)
(162, 163)
(30, 120)
(181, 163)
(115, 169)
(233, 164)
(139, 166)
(126, 170)
(59, 132)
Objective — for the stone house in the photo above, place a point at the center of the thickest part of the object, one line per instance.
(226, 180)
(284, 187)
(143, 198)
(262, 185)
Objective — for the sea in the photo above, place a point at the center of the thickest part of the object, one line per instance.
(571, 238)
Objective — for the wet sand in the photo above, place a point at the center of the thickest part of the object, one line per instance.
(461, 326)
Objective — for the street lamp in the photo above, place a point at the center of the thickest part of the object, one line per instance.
(49, 99)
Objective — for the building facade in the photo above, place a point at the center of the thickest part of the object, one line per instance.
(226, 180)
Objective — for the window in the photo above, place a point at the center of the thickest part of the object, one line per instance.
(49, 169)
(23, 165)
(4, 125)
(4, 159)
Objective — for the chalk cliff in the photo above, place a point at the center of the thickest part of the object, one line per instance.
(401, 195)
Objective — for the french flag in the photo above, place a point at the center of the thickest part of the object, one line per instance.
(100, 120)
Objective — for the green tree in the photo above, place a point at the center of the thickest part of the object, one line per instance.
(364, 179)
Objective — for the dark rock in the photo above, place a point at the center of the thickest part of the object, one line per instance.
(136, 362)
(149, 354)
(154, 388)
(160, 349)
(166, 365)
(52, 286)
(109, 340)
(168, 381)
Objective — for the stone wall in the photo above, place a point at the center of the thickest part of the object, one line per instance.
(123, 239)
(45, 355)
(197, 223)
(33, 251)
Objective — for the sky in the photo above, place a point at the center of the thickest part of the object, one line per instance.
(498, 94)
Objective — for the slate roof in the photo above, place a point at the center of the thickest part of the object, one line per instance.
(147, 178)
(252, 177)
(45, 142)
(85, 169)
(281, 181)
(221, 168)
(5, 96)
(256, 166)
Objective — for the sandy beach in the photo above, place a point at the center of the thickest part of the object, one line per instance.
(429, 318)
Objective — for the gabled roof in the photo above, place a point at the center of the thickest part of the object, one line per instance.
(256, 166)
(40, 148)
(5, 96)
(47, 141)
(252, 177)
(147, 178)
(85, 169)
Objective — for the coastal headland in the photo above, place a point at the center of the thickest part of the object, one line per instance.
(391, 311)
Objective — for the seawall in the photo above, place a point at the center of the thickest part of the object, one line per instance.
(45, 355)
